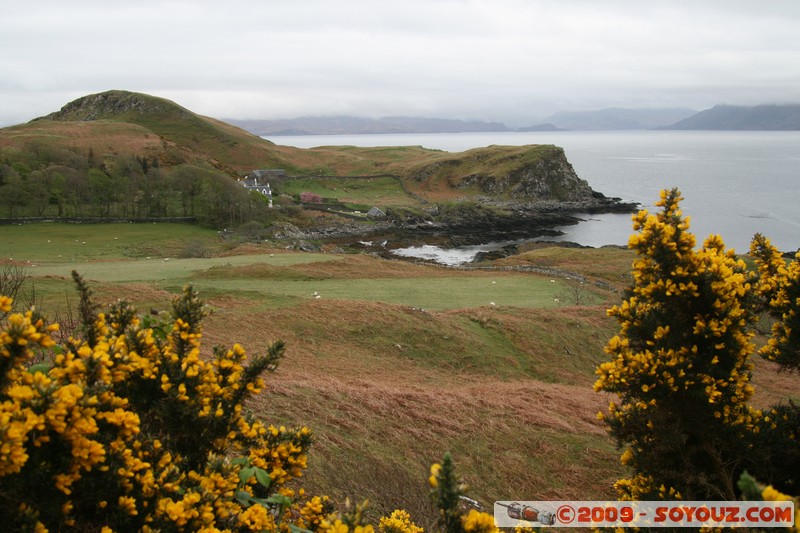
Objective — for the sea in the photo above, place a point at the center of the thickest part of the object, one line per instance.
(734, 183)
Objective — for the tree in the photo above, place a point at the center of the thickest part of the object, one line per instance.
(680, 363)
(187, 180)
(38, 192)
(101, 187)
(14, 194)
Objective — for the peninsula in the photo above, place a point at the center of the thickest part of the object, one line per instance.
(125, 155)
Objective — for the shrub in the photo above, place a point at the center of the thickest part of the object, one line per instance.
(195, 248)
(12, 278)
(680, 364)
(130, 429)
(310, 198)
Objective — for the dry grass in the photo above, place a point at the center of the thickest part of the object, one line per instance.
(612, 265)
(378, 428)
(388, 389)
(382, 413)
(101, 136)
(773, 385)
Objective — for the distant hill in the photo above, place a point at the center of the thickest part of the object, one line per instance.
(358, 125)
(542, 127)
(728, 117)
(615, 118)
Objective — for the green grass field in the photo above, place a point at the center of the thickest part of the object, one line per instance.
(115, 254)
(79, 243)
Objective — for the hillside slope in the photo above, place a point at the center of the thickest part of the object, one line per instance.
(387, 381)
(221, 144)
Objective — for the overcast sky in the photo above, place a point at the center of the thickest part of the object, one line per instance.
(514, 61)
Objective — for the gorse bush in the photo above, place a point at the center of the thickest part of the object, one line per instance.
(778, 284)
(681, 370)
(131, 429)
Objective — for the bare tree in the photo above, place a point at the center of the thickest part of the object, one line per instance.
(573, 292)
(12, 278)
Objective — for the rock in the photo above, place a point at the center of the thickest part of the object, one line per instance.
(286, 230)
(305, 246)
(534, 172)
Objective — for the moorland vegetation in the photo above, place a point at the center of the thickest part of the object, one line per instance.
(126, 421)
(131, 425)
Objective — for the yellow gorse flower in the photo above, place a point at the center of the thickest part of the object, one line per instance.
(683, 337)
(479, 522)
(100, 395)
(398, 522)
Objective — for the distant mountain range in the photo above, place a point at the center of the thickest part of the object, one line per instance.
(616, 118)
(728, 117)
(721, 117)
(357, 125)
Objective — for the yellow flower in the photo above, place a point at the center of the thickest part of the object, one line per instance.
(398, 522)
(257, 518)
(433, 480)
(626, 457)
(478, 522)
(770, 494)
(5, 304)
(128, 505)
(336, 527)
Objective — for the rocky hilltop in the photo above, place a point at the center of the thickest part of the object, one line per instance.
(520, 173)
(117, 104)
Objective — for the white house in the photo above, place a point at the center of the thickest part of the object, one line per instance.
(258, 180)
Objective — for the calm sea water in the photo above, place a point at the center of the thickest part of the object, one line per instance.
(735, 184)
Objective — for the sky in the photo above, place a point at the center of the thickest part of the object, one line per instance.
(513, 61)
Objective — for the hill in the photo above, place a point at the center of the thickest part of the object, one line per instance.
(728, 117)
(618, 118)
(120, 154)
(198, 138)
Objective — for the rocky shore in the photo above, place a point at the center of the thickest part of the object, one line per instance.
(470, 222)
(491, 194)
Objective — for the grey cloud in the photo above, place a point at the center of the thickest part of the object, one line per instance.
(492, 59)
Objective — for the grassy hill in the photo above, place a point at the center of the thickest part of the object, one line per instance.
(395, 363)
(225, 146)
(132, 155)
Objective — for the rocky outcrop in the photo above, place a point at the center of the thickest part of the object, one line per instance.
(114, 104)
(520, 173)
